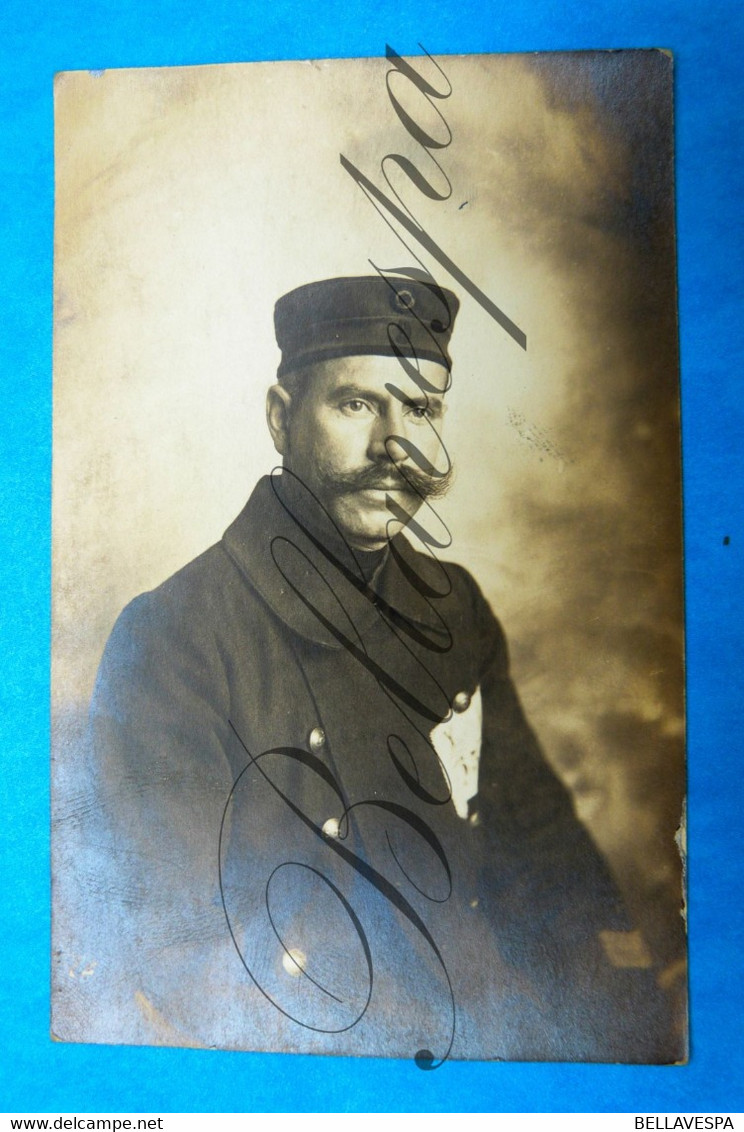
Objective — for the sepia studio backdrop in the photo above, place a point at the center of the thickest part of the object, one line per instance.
(189, 199)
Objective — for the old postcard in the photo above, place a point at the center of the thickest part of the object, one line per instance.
(368, 718)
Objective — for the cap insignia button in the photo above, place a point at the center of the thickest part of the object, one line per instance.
(404, 300)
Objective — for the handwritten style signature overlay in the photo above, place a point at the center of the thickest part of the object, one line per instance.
(424, 481)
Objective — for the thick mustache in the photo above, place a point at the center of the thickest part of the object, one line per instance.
(391, 477)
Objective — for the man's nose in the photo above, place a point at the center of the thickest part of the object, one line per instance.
(388, 430)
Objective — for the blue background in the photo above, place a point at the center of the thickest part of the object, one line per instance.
(706, 37)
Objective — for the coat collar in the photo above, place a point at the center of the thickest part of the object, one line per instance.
(291, 552)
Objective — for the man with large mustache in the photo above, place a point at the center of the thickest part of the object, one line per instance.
(322, 822)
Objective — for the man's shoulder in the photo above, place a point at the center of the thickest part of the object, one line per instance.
(196, 606)
(199, 583)
(206, 572)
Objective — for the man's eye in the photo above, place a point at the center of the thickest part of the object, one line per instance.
(422, 412)
(355, 406)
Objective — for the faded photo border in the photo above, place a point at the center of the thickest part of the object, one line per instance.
(54, 1074)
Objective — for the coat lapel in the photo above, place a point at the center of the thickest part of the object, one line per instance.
(291, 552)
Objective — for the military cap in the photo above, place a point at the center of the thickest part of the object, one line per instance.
(368, 314)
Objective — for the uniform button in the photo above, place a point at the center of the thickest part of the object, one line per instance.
(316, 739)
(474, 818)
(461, 701)
(293, 962)
(331, 827)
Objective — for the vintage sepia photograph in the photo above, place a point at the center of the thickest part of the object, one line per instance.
(368, 660)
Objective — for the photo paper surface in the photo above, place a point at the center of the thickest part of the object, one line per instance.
(368, 719)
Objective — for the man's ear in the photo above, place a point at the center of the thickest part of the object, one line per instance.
(278, 405)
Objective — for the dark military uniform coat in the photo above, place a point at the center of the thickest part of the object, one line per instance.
(278, 859)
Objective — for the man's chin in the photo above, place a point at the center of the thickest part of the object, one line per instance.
(370, 536)
(371, 524)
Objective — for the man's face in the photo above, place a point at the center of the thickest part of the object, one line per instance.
(361, 429)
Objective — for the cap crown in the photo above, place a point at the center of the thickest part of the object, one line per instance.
(368, 314)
